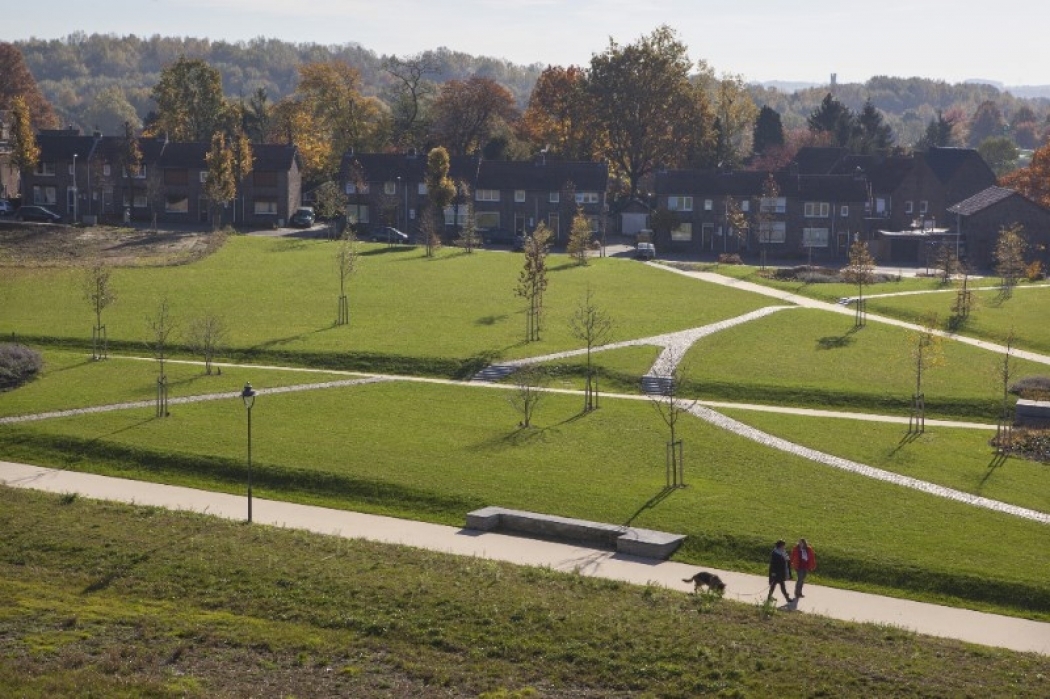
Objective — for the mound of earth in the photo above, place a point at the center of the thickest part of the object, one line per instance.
(29, 245)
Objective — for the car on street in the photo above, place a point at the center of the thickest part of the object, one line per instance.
(388, 234)
(303, 217)
(41, 214)
(645, 251)
(6, 209)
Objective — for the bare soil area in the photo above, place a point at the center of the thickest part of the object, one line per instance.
(37, 245)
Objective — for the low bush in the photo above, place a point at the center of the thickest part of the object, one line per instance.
(730, 258)
(18, 364)
(1032, 388)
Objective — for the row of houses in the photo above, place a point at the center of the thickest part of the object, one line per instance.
(903, 206)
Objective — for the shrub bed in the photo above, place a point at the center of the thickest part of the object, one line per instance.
(18, 364)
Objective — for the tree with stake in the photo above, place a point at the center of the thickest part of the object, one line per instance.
(468, 234)
(529, 382)
(861, 271)
(1009, 258)
(670, 405)
(592, 326)
(926, 354)
(162, 327)
(346, 262)
(532, 280)
(579, 237)
(1003, 429)
(206, 336)
(99, 291)
(768, 208)
(441, 190)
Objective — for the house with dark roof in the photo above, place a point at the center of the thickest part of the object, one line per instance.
(81, 176)
(515, 196)
(980, 218)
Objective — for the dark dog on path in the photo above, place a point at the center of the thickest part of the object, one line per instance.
(709, 580)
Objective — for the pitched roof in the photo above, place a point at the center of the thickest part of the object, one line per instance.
(817, 160)
(984, 199)
(751, 183)
(945, 162)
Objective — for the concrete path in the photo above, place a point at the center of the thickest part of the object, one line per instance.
(972, 627)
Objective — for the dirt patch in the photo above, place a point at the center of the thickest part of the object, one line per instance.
(29, 245)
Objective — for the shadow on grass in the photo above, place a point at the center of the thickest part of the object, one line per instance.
(491, 320)
(277, 341)
(651, 503)
(906, 440)
(998, 460)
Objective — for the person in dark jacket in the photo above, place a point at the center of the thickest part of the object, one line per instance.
(779, 571)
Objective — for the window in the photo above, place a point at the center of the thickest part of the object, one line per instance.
(554, 198)
(486, 195)
(71, 170)
(814, 237)
(908, 207)
(586, 197)
(352, 188)
(140, 172)
(264, 179)
(389, 188)
(203, 176)
(486, 219)
(44, 196)
(772, 205)
(772, 232)
(708, 204)
(554, 223)
(357, 213)
(106, 170)
(454, 217)
(745, 206)
(265, 207)
(422, 189)
(679, 203)
(682, 233)
(844, 211)
(176, 177)
(177, 203)
(519, 195)
(817, 209)
(45, 169)
(924, 206)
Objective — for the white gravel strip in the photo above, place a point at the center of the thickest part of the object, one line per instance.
(188, 399)
(739, 428)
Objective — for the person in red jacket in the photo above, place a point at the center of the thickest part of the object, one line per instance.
(803, 560)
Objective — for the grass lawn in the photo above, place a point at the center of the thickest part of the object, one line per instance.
(280, 295)
(434, 452)
(809, 357)
(121, 601)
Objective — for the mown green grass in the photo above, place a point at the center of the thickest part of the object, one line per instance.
(122, 601)
(279, 296)
(434, 452)
(810, 357)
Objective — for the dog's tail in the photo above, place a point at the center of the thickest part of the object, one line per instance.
(688, 579)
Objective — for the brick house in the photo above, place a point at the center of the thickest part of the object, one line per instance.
(390, 189)
(79, 175)
(982, 216)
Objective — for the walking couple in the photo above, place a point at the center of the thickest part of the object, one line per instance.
(801, 560)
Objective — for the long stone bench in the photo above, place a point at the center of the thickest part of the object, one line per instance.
(632, 541)
(1032, 412)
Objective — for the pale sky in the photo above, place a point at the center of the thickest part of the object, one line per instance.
(802, 40)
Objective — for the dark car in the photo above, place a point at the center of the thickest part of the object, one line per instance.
(303, 217)
(498, 236)
(41, 214)
(387, 234)
(5, 208)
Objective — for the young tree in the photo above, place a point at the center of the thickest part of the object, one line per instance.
(468, 234)
(161, 327)
(767, 214)
(220, 184)
(670, 405)
(946, 261)
(346, 262)
(860, 271)
(155, 193)
(591, 325)
(579, 237)
(98, 290)
(129, 156)
(25, 153)
(1010, 249)
(206, 336)
(330, 203)
(242, 161)
(532, 280)
(1005, 372)
(440, 191)
(189, 100)
(926, 354)
(529, 381)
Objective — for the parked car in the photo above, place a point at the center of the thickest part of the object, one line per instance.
(519, 243)
(497, 236)
(6, 208)
(645, 251)
(303, 217)
(41, 214)
(387, 234)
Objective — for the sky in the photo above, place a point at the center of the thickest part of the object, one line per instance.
(762, 40)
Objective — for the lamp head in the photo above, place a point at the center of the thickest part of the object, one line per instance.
(248, 396)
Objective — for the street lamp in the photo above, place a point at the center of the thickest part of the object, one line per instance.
(76, 194)
(248, 396)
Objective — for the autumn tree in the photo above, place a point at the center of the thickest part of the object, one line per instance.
(346, 263)
(189, 101)
(1000, 153)
(110, 110)
(469, 113)
(411, 98)
(591, 325)
(644, 104)
(987, 121)
(99, 292)
(579, 237)
(206, 336)
(1032, 181)
(559, 116)
(161, 330)
(17, 82)
(1010, 250)
(25, 153)
(440, 192)
(734, 112)
(242, 161)
(532, 280)
(220, 184)
(926, 353)
(860, 271)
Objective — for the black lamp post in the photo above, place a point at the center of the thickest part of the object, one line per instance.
(248, 396)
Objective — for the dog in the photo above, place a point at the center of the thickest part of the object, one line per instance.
(709, 580)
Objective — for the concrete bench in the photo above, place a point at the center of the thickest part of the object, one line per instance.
(1032, 412)
(632, 541)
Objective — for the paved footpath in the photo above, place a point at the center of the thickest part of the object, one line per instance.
(973, 627)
